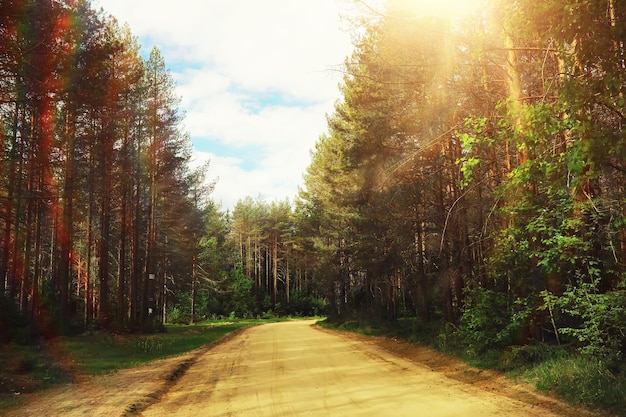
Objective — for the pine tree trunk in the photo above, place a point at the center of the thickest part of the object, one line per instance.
(194, 279)
(275, 268)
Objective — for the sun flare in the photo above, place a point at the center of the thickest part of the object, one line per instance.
(456, 9)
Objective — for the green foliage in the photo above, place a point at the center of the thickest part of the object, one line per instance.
(471, 139)
(240, 302)
(468, 165)
(179, 315)
(520, 357)
(484, 318)
(509, 265)
(598, 320)
(491, 321)
(580, 380)
(302, 305)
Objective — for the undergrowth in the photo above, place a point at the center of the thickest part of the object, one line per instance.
(581, 380)
(24, 369)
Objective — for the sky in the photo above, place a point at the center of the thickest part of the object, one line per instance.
(256, 80)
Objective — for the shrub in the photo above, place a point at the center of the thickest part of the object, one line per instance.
(489, 321)
(515, 357)
(601, 327)
(179, 315)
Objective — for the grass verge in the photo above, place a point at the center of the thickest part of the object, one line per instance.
(98, 353)
(24, 369)
(29, 368)
(581, 380)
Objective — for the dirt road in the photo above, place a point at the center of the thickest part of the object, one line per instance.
(298, 369)
(293, 369)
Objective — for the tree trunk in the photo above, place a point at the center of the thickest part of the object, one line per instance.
(194, 280)
(287, 283)
(89, 305)
(8, 212)
(275, 267)
(65, 223)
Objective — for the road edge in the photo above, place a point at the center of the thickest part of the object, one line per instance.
(454, 368)
(179, 369)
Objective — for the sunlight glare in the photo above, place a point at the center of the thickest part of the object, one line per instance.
(455, 9)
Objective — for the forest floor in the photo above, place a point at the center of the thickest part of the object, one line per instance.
(296, 368)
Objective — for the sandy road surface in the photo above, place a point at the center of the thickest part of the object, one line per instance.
(294, 369)
(297, 369)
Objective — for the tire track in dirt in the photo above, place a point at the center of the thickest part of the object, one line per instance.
(293, 368)
(453, 368)
(173, 376)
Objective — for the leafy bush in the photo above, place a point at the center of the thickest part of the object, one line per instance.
(489, 321)
(269, 314)
(304, 306)
(516, 357)
(601, 320)
(241, 301)
(179, 315)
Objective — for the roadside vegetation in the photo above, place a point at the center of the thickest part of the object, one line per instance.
(98, 353)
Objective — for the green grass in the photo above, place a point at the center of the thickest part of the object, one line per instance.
(99, 353)
(581, 380)
(8, 401)
(28, 368)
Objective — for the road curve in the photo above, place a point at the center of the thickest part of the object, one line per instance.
(295, 369)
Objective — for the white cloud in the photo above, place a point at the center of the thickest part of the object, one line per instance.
(254, 79)
(262, 183)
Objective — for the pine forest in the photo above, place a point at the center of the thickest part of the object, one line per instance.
(471, 182)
